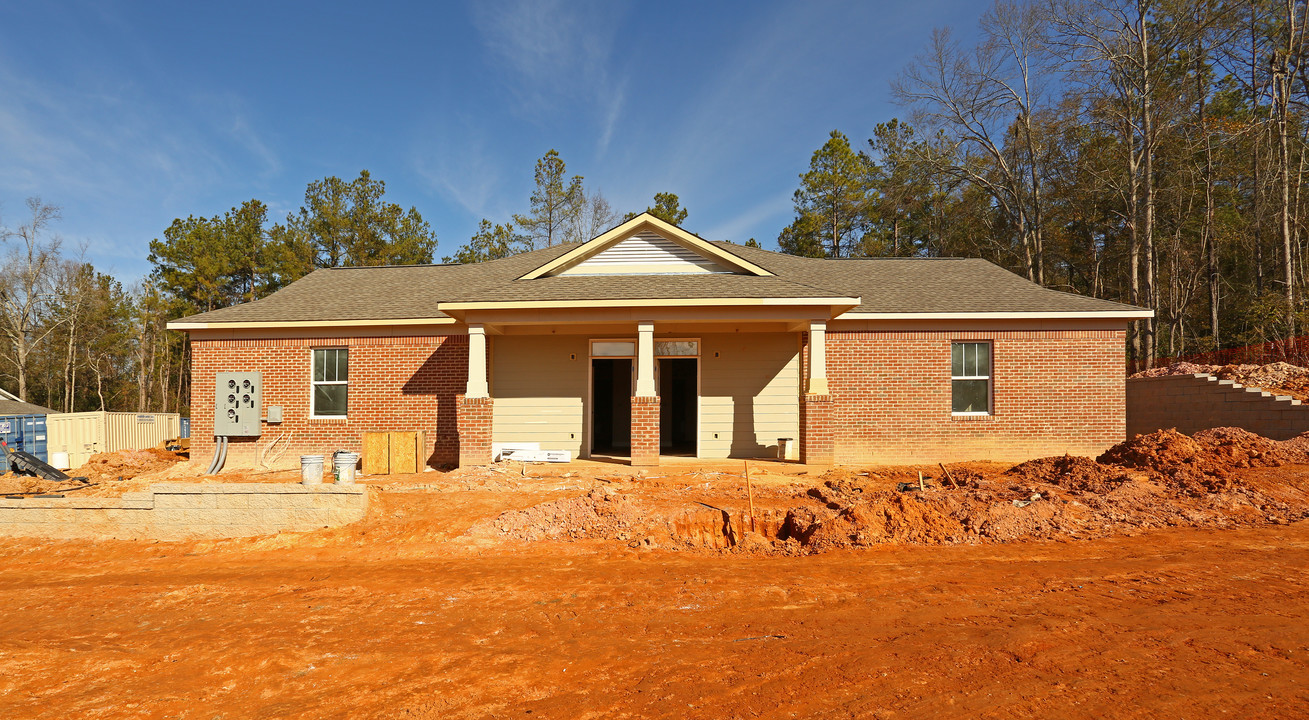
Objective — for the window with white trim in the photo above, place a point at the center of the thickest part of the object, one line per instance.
(970, 378)
(330, 383)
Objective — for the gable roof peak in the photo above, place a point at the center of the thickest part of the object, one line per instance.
(709, 252)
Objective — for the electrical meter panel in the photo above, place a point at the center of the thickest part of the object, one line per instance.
(239, 404)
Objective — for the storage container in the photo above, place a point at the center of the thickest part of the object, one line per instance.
(84, 434)
(26, 433)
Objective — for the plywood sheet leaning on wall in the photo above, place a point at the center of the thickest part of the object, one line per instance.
(406, 452)
(377, 453)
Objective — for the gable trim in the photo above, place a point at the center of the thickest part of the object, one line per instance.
(672, 232)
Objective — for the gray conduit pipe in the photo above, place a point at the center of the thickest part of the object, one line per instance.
(220, 455)
(222, 460)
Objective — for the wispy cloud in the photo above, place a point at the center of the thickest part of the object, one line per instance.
(100, 146)
(737, 227)
(463, 171)
(557, 54)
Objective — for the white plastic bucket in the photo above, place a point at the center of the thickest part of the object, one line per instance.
(311, 469)
(59, 460)
(784, 446)
(344, 466)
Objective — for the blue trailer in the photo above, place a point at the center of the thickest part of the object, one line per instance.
(186, 428)
(23, 432)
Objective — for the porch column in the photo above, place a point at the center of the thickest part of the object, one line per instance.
(817, 357)
(473, 408)
(645, 400)
(477, 387)
(817, 441)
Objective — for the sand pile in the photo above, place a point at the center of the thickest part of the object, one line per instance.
(126, 464)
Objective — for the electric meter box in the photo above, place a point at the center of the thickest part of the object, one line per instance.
(238, 404)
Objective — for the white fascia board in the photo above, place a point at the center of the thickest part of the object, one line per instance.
(178, 325)
(670, 302)
(1106, 314)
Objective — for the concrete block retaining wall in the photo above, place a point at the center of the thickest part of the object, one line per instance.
(1197, 402)
(179, 511)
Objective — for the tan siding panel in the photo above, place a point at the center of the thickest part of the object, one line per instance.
(539, 391)
(649, 250)
(750, 394)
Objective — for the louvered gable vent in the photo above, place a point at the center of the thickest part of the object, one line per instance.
(646, 253)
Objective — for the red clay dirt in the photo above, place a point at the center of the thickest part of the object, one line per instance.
(569, 593)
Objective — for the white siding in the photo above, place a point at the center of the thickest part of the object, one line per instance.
(539, 391)
(749, 394)
(643, 253)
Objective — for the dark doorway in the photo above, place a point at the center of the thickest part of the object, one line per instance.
(611, 406)
(679, 419)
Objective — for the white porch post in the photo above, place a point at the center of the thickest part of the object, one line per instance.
(645, 382)
(817, 357)
(477, 387)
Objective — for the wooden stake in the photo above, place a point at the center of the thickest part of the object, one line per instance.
(749, 492)
(921, 487)
(946, 470)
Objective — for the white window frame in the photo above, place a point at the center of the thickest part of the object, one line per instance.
(313, 409)
(989, 378)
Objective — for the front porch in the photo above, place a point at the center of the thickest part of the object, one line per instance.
(679, 384)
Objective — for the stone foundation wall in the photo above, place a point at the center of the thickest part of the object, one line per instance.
(180, 511)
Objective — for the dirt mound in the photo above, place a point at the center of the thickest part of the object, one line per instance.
(1279, 377)
(601, 513)
(1181, 368)
(1200, 464)
(1072, 472)
(126, 464)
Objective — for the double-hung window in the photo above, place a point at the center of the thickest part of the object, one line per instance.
(330, 383)
(970, 378)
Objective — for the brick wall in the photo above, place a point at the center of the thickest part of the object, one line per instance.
(396, 383)
(1196, 402)
(816, 430)
(645, 431)
(1054, 392)
(475, 422)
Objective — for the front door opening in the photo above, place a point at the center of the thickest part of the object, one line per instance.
(678, 406)
(611, 406)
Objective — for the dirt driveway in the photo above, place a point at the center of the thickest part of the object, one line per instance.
(385, 621)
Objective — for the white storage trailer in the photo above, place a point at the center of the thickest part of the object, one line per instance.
(72, 438)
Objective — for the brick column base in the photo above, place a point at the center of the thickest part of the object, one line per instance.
(473, 417)
(816, 437)
(645, 431)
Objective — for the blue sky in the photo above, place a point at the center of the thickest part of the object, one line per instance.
(131, 114)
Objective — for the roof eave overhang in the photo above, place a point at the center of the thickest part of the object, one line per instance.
(1035, 315)
(185, 326)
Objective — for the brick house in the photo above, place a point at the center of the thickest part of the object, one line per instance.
(649, 342)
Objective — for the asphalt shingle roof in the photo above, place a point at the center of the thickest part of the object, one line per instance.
(897, 285)
(18, 407)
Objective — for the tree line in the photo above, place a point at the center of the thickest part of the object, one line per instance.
(1145, 151)
(73, 338)
(1150, 152)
